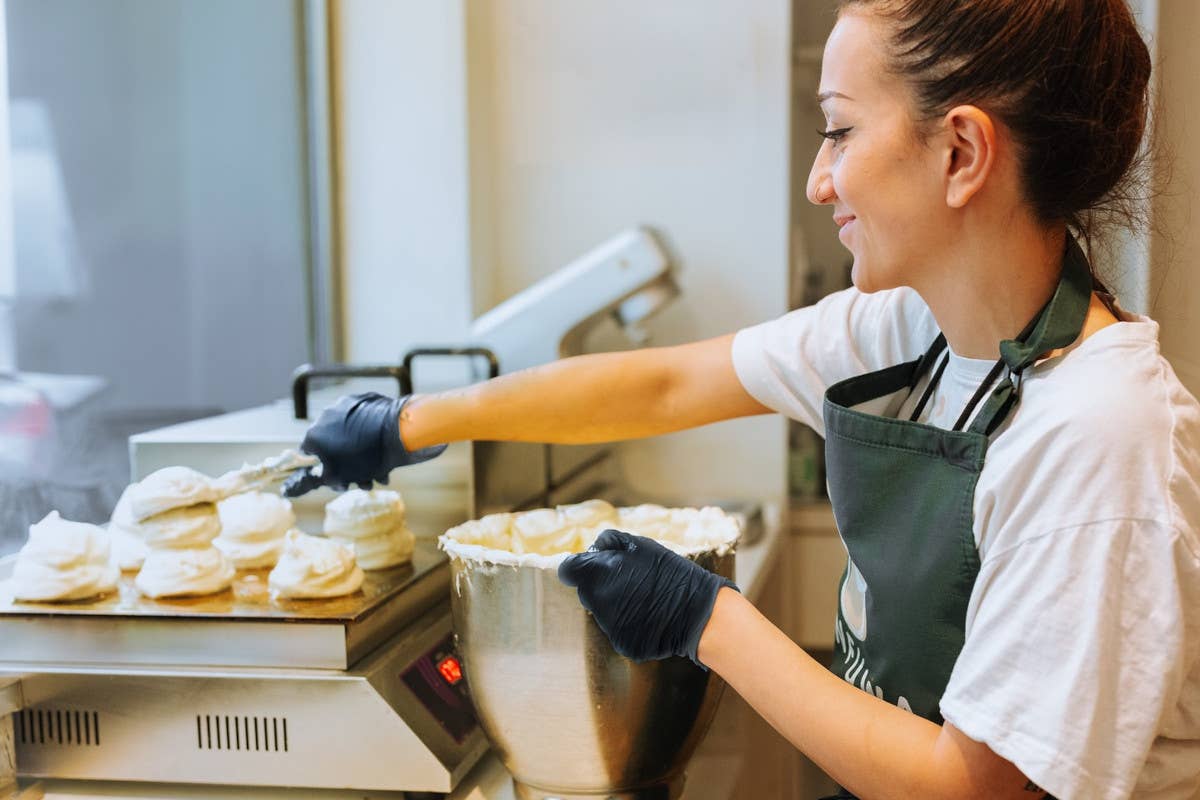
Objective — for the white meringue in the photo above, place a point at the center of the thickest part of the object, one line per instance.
(358, 512)
(542, 532)
(692, 527)
(382, 551)
(184, 572)
(169, 488)
(63, 560)
(543, 538)
(128, 548)
(253, 526)
(314, 567)
(647, 520)
(493, 530)
(589, 519)
(194, 526)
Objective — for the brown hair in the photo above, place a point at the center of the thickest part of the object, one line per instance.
(1068, 78)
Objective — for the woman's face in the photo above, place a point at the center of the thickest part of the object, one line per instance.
(884, 186)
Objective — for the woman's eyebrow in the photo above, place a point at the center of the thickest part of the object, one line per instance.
(823, 96)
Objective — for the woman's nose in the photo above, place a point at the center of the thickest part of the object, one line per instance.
(820, 181)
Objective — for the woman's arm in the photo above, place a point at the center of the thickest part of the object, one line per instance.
(874, 749)
(592, 398)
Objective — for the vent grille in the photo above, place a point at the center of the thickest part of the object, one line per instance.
(57, 726)
(254, 734)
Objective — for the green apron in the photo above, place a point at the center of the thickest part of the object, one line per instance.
(903, 498)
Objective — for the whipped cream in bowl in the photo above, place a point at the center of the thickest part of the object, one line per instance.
(63, 561)
(524, 636)
(543, 537)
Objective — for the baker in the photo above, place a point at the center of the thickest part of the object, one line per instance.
(1013, 467)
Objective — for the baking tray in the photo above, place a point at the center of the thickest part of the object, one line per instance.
(242, 626)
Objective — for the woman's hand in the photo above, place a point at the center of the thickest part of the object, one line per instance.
(358, 442)
(650, 602)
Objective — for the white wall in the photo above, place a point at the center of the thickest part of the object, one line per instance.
(590, 116)
(483, 145)
(1175, 292)
(400, 85)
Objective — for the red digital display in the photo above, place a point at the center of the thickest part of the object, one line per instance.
(450, 670)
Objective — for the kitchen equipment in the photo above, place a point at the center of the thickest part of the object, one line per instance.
(569, 717)
(360, 692)
(630, 277)
(381, 715)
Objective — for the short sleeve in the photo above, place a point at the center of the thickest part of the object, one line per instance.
(788, 363)
(1079, 644)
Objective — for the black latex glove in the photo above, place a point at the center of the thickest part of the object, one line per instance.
(652, 603)
(358, 442)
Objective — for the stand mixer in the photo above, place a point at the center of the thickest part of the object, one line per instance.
(629, 277)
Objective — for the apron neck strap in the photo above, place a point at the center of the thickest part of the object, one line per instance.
(1060, 320)
(1057, 325)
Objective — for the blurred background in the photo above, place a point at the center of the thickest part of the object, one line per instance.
(199, 195)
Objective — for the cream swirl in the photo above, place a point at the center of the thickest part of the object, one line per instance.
(182, 573)
(542, 532)
(184, 528)
(360, 513)
(649, 520)
(63, 560)
(390, 549)
(589, 519)
(128, 548)
(169, 488)
(313, 567)
(253, 526)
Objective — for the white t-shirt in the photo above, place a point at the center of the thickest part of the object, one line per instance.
(1082, 656)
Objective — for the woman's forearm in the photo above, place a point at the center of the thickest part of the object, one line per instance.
(593, 398)
(871, 747)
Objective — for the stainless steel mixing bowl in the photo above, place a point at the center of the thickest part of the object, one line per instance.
(567, 715)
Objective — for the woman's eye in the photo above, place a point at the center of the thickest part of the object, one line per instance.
(835, 135)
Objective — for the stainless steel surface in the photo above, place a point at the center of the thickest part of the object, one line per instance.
(243, 626)
(566, 714)
(366, 728)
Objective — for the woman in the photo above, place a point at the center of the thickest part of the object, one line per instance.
(1012, 464)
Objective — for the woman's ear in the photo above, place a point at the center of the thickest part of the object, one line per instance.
(971, 155)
